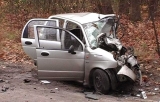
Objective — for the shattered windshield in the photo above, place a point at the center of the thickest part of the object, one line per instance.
(93, 29)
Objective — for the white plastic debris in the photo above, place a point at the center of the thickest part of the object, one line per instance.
(143, 95)
(150, 74)
(138, 95)
(56, 88)
(156, 89)
(45, 82)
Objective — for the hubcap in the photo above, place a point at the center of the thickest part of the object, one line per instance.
(98, 81)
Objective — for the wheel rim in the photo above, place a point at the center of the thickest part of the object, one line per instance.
(98, 82)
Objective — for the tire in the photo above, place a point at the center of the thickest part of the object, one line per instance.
(101, 81)
(113, 79)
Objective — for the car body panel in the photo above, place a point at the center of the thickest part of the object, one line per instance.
(97, 58)
(59, 64)
(30, 50)
(82, 18)
(28, 38)
(128, 72)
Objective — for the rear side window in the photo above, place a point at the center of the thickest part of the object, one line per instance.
(45, 33)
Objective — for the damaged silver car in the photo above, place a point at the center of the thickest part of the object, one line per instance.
(82, 47)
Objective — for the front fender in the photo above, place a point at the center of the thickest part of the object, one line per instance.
(128, 72)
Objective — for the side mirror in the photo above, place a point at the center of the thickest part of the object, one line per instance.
(71, 50)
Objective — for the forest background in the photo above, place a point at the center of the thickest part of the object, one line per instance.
(140, 22)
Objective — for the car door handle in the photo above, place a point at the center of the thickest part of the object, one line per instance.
(28, 43)
(45, 54)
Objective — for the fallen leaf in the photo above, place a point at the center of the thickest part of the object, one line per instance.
(158, 69)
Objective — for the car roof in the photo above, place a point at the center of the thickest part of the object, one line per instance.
(82, 18)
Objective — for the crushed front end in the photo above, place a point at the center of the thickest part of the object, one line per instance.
(103, 34)
(128, 67)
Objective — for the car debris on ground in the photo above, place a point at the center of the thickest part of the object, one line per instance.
(1, 80)
(4, 88)
(91, 95)
(26, 80)
(45, 82)
(143, 95)
(156, 89)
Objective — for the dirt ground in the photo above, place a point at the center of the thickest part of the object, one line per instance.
(19, 83)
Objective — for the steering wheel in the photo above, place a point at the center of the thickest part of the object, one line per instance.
(100, 37)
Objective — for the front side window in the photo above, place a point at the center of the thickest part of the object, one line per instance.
(68, 40)
(48, 34)
(51, 43)
(75, 29)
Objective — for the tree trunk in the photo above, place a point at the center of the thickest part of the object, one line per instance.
(123, 7)
(135, 14)
(105, 6)
(152, 15)
(153, 6)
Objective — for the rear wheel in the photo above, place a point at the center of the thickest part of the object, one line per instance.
(101, 81)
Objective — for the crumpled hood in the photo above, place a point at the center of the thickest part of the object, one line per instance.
(101, 55)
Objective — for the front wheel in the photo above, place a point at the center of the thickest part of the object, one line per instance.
(101, 81)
